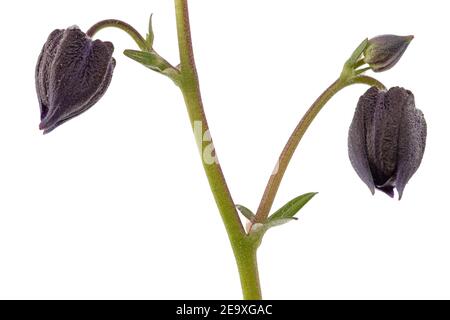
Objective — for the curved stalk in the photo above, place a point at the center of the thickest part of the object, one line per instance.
(293, 142)
(171, 71)
(114, 23)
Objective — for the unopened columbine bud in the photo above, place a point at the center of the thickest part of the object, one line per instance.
(383, 52)
(387, 139)
(72, 74)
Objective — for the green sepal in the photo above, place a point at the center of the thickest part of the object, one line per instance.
(352, 63)
(356, 55)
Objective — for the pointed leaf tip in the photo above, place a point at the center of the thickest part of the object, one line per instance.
(150, 35)
(245, 212)
(290, 209)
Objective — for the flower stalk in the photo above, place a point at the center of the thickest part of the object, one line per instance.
(114, 23)
(291, 146)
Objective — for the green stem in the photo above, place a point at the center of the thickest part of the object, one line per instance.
(140, 41)
(244, 252)
(293, 142)
(367, 81)
(246, 259)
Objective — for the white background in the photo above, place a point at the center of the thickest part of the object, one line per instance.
(114, 204)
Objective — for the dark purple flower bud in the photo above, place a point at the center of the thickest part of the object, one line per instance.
(387, 139)
(72, 74)
(383, 52)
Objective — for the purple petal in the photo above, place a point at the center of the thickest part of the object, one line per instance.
(43, 69)
(382, 138)
(412, 142)
(357, 149)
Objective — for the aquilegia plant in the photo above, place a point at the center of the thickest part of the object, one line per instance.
(386, 138)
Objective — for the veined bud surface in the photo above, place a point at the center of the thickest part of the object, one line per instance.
(73, 72)
(387, 139)
(383, 52)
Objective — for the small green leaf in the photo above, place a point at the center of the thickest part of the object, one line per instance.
(278, 222)
(290, 209)
(149, 59)
(246, 212)
(150, 35)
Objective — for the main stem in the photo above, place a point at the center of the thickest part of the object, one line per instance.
(244, 250)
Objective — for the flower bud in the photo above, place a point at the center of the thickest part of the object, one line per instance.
(383, 52)
(387, 139)
(72, 74)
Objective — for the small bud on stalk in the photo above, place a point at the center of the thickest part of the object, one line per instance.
(383, 52)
